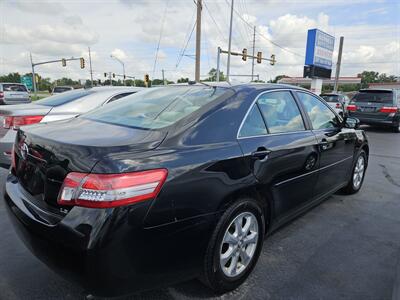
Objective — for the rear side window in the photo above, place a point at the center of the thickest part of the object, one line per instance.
(14, 87)
(280, 112)
(60, 89)
(64, 98)
(119, 96)
(331, 98)
(254, 124)
(320, 115)
(373, 96)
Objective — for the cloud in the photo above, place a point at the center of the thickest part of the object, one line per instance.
(43, 7)
(118, 53)
(46, 33)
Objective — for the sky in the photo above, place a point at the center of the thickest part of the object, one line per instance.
(151, 35)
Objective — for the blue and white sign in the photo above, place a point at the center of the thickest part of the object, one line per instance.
(319, 49)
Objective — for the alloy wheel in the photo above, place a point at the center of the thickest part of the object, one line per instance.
(239, 244)
(358, 172)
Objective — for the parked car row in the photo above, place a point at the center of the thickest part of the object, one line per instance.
(172, 183)
(58, 107)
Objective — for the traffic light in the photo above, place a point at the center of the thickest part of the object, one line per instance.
(244, 54)
(82, 60)
(272, 61)
(105, 75)
(146, 78)
(259, 57)
(113, 75)
(63, 62)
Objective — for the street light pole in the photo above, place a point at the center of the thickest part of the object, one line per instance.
(123, 66)
(229, 44)
(198, 42)
(33, 76)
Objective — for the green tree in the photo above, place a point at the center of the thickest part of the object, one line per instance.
(213, 75)
(277, 78)
(11, 77)
(183, 80)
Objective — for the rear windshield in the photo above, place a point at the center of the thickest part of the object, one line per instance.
(60, 89)
(14, 87)
(64, 97)
(373, 96)
(330, 98)
(156, 107)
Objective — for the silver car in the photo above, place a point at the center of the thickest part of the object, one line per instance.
(13, 93)
(54, 108)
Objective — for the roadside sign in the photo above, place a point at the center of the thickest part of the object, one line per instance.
(27, 80)
(319, 49)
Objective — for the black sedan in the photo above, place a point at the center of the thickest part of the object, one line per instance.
(177, 182)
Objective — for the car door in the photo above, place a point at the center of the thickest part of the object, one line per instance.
(280, 150)
(336, 144)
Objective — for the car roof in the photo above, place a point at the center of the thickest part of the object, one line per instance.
(17, 83)
(242, 86)
(376, 90)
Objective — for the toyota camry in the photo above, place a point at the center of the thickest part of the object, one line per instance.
(177, 182)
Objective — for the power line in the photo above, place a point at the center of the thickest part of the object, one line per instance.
(184, 49)
(159, 39)
(215, 23)
(263, 36)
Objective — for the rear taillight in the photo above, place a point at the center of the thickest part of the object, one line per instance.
(351, 107)
(338, 105)
(111, 190)
(1, 95)
(388, 109)
(7, 122)
(17, 121)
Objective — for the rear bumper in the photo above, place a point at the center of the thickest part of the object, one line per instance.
(389, 121)
(107, 251)
(12, 102)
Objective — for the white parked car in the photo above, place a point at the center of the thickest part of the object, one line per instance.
(337, 101)
(63, 106)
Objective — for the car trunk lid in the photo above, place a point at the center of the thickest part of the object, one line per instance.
(370, 102)
(45, 155)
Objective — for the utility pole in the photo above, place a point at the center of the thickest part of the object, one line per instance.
(218, 62)
(254, 47)
(339, 61)
(229, 44)
(33, 76)
(163, 78)
(90, 66)
(198, 41)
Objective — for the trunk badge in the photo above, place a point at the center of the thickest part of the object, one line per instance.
(24, 150)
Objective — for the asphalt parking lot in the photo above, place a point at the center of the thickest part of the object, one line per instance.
(345, 248)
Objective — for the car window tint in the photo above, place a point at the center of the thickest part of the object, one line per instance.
(254, 124)
(280, 112)
(14, 88)
(330, 98)
(119, 96)
(64, 97)
(320, 114)
(374, 96)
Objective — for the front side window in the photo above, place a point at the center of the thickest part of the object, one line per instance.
(254, 124)
(280, 112)
(320, 115)
(156, 107)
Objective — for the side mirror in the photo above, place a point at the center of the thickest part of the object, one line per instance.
(350, 122)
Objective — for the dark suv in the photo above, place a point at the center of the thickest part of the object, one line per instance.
(376, 107)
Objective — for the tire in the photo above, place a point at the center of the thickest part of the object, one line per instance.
(356, 182)
(396, 129)
(220, 273)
